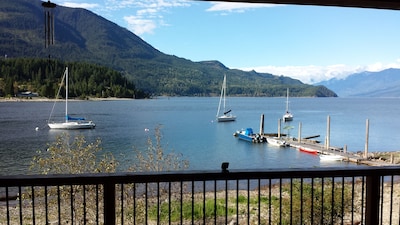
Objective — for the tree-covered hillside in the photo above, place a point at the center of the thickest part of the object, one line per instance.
(44, 77)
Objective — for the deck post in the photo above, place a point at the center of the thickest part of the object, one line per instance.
(372, 200)
(366, 139)
(109, 203)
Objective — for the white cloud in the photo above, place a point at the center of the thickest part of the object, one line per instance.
(140, 26)
(313, 74)
(148, 14)
(236, 6)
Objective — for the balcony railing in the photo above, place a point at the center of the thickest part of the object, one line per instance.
(287, 196)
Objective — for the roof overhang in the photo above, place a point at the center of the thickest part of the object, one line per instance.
(376, 4)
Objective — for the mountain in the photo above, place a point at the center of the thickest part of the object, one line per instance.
(82, 36)
(385, 83)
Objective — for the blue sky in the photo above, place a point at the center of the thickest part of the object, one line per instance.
(309, 43)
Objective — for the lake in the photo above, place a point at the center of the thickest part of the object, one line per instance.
(188, 127)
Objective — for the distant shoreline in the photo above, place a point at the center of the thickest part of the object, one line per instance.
(43, 99)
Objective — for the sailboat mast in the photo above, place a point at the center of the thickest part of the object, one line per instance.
(220, 98)
(287, 100)
(224, 88)
(66, 94)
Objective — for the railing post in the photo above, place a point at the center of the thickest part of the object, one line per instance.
(372, 200)
(109, 203)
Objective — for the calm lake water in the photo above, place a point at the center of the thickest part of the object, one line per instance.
(188, 127)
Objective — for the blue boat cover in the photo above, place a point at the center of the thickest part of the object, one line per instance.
(72, 118)
(249, 131)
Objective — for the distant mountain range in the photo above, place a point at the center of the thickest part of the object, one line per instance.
(385, 83)
(82, 36)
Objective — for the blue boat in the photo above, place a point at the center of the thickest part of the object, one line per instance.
(248, 135)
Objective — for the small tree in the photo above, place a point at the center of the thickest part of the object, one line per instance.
(78, 156)
(155, 159)
(71, 156)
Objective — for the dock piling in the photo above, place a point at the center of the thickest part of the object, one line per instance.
(279, 128)
(262, 125)
(328, 133)
(299, 138)
(366, 139)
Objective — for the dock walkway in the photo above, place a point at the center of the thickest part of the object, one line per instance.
(347, 156)
(306, 144)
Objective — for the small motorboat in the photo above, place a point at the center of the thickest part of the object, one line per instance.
(308, 150)
(248, 135)
(326, 157)
(276, 142)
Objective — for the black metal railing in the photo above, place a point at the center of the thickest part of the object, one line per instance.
(289, 196)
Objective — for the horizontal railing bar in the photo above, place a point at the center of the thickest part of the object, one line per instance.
(182, 176)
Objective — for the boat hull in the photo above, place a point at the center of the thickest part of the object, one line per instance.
(308, 150)
(226, 118)
(277, 142)
(287, 117)
(248, 135)
(72, 125)
(245, 137)
(330, 157)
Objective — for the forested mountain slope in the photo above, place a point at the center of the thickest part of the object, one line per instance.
(82, 36)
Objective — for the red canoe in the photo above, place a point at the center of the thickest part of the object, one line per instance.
(308, 150)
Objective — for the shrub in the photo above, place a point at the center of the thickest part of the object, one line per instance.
(78, 156)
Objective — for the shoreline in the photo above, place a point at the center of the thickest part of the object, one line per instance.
(44, 99)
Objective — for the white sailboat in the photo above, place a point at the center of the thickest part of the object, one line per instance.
(226, 115)
(70, 122)
(288, 116)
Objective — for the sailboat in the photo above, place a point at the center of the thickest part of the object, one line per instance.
(226, 116)
(288, 116)
(70, 122)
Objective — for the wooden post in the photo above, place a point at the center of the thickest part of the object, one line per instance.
(366, 139)
(328, 133)
(299, 137)
(262, 125)
(372, 200)
(279, 128)
(109, 203)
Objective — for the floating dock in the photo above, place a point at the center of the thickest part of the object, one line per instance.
(307, 144)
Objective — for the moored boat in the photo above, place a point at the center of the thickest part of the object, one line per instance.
(226, 116)
(248, 135)
(326, 157)
(70, 123)
(308, 150)
(288, 116)
(276, 142)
